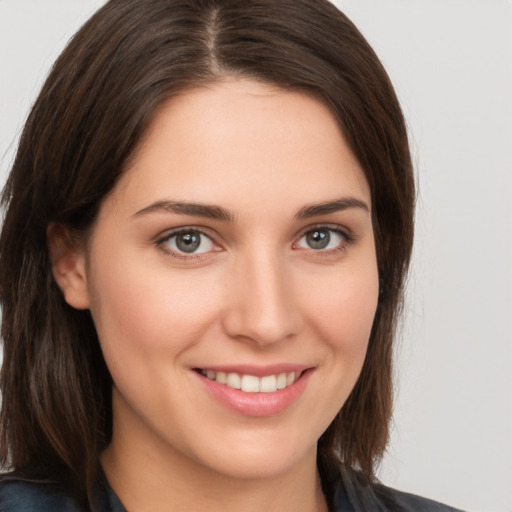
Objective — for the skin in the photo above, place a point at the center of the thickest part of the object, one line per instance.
(255, 293)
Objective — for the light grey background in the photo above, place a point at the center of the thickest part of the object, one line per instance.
(451, 62)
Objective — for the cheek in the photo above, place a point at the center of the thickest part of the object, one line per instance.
(147, 322)
(341, 311)
(149, 312)
(344, 310)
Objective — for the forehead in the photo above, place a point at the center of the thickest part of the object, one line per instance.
(243, 139)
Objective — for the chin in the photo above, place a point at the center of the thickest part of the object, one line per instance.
(262, 465)
(259, 455)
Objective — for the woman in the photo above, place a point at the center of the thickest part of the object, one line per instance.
(208, 225)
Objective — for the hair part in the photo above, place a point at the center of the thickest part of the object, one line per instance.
(84, 127)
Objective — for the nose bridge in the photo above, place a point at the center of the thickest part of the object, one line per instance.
(261, 305)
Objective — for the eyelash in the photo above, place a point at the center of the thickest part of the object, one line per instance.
(347, 239)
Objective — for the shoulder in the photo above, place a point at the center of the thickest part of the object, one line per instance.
(411, 502)
(20, 495)
(353, 493)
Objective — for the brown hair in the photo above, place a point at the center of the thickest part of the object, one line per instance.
(96, 104)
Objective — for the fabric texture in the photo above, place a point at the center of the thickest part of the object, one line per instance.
(350, 495)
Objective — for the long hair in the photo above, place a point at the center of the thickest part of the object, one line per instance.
(94, 107)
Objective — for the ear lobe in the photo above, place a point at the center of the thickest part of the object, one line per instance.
(68, 265)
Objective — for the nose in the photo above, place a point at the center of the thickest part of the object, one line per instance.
(261, 307)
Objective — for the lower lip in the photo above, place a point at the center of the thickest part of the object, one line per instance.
(257, 404)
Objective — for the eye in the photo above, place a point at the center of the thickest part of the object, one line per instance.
(322, 239)
(189, 241)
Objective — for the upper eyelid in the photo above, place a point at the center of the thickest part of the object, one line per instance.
(169, 233)
(208, 232)
(346, 232)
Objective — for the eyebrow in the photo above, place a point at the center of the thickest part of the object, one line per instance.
(219, 213)
(193, 209)
(331, 207)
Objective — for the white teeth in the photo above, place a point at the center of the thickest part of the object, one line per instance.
(268, 384)
(252, 384)
(281, 381)
(233, 381)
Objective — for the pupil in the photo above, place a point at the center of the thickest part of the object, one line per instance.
(318, 239)
(188, 242)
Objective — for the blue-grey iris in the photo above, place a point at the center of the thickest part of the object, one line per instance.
(318, 239)
(188, 242)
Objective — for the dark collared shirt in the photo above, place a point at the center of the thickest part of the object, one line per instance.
(19, 495)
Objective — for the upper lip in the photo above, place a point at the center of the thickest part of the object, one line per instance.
(256, 370)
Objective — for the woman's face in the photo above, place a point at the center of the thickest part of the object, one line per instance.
(237, 250)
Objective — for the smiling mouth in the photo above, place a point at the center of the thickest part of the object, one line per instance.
(251, 383)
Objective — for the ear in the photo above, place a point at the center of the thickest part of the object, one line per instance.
(68, 265)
